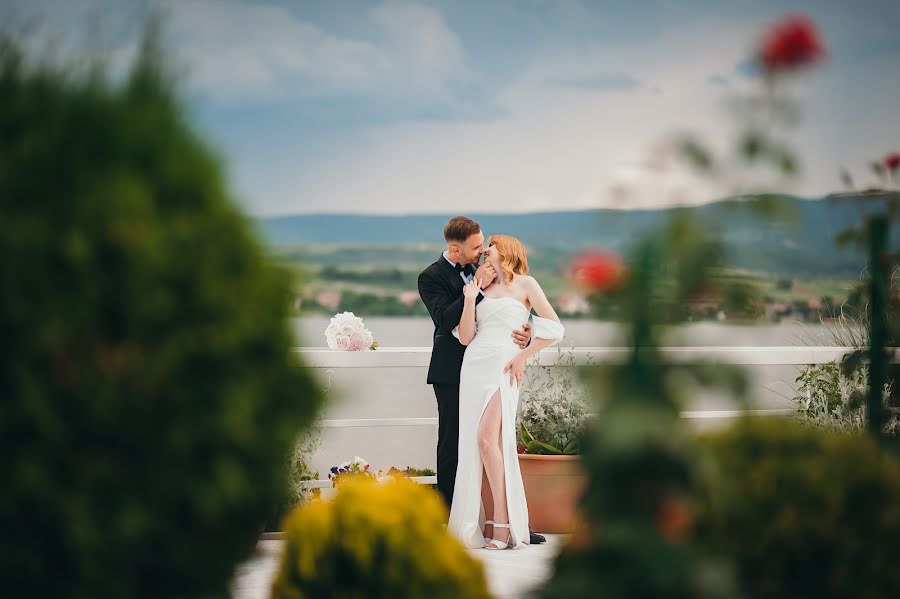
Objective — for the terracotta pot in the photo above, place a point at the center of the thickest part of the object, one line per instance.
(553, 486)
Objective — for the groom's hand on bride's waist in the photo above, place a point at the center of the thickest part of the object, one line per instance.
(522, 337)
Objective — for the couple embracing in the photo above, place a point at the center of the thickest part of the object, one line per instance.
(482, 340)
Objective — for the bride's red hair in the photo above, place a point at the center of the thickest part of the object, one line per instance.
(512, 256)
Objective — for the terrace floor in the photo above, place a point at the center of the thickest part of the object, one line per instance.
(510, 574)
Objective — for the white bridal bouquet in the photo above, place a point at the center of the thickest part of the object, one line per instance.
(347, 332)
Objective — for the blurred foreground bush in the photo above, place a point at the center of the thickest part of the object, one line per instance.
(637, 540)
(376, 540)
(803, 512)
(147, 395)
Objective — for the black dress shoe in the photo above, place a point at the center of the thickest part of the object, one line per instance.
(536, 539)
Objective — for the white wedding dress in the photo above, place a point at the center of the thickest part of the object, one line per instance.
(480, 378)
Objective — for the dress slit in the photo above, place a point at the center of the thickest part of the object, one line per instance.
(507, 482)
(484, 404)
(482, 378)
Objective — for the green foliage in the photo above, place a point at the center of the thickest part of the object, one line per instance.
(297, 465)
(298, 469)
(555, 409)
(739, 300)
(149, 396)
(877, 298)
(384, 276)
(890, 323)
(366, 304)
(829, 399)
(636, 449)
(784, 284)
(295, 492)
(804, 512)
(832, 397)
(411, 471)
(378, 540)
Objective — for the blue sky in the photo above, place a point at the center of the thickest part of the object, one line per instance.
(464, 106)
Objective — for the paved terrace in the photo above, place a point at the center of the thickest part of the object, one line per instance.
(382, 393)
(510, 574)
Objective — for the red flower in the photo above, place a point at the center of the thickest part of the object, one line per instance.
(674, 519)
(597, 271)
(892, 161)
(791, 44)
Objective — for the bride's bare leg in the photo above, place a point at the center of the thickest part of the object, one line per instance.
(488, 502)
(492, 457)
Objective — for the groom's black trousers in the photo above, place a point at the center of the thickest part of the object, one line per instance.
(447, 395)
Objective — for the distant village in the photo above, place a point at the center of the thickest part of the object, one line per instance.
(570, 304)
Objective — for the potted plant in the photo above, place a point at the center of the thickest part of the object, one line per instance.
(552, 420)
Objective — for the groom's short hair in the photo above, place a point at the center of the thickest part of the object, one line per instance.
(460, 228)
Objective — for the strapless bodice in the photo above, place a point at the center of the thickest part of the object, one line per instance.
(497, 317)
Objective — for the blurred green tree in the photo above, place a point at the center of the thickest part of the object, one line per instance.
(147, 394)
(804, 512)
(638, 538)
(639, 541)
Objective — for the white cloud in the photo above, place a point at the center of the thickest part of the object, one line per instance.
(567, 147)
(561, 147)
(556, 147)
(424, 47)
(235, 51)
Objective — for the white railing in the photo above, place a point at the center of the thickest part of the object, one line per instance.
(396, 357)
(418, 358)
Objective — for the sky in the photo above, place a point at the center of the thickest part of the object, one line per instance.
(402, 106)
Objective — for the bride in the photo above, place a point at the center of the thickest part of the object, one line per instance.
(489, 498)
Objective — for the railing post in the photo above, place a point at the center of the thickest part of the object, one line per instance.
(878, 266)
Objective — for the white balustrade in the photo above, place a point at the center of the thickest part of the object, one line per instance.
(380, 407)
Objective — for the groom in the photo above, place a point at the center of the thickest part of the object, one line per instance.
(441, 289)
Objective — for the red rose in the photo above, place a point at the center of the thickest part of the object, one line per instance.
(674, 519)
(792, 43)
(892, 161)
(597, 271)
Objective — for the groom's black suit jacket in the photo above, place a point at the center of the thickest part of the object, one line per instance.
(440, 288)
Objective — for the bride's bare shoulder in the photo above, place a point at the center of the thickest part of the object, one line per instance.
(525, 282)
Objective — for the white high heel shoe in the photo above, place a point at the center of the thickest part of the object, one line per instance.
(498, 544)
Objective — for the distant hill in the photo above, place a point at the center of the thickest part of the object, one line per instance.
(801, 240)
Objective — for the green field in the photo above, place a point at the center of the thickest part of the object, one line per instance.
(371, 279)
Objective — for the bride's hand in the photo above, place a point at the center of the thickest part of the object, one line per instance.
(516, 368)
(470, 290)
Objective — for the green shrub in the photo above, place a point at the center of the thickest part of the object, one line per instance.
(803, 512)
(147, 394)
(299, 471)
(375, 540)
(829, 397)
(555, 409)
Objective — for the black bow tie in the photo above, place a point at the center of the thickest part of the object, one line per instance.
(459, 267)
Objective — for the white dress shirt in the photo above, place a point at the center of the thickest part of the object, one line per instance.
(465, 277)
